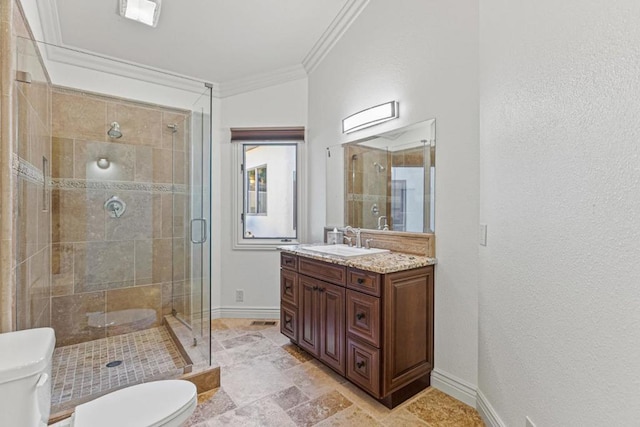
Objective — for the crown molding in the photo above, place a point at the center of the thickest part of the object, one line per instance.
(260, 81)
(50, 21)
(347, 15)
(85, 59)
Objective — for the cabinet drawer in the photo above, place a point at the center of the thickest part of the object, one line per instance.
(364, 281)
(288, 261)
(323, 270)
(363, 366)
(363, 317)
(289, 287)
(289, 322)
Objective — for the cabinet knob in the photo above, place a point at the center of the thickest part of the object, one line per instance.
(287, 287)
(360, 280)
(359, 316)
(315, 288)
(360, 364)
(287, 321)
(321, 289)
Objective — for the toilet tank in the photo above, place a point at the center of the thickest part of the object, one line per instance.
(25, 377)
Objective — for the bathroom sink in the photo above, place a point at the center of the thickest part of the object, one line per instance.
(344, 251)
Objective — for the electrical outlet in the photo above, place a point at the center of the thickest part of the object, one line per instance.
(528, 422)
(239, 295)
(483, 234)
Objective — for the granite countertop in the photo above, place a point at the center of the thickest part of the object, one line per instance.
(388, 262)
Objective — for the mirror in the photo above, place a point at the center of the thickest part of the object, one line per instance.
(384, 182)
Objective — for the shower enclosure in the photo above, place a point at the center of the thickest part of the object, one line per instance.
(112, 226)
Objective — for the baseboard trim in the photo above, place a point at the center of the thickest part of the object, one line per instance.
(454, 386)
(487, 412)
(245, 312)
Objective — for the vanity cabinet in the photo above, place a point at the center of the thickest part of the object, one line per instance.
(375, 329)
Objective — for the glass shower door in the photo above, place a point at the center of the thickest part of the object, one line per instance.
(198, 267)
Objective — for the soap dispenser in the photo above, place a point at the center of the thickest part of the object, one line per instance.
(334, 237)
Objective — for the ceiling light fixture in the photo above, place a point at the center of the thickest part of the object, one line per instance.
(144, 11)
(370, 117)
(103, 163)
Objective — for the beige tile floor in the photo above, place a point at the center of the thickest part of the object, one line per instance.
(266, 381)
(80, 372)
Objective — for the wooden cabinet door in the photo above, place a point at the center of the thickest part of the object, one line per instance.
(308, 315)
(408, 327)
(289, 287)
(332, 325)
(363, 366)
(289, 321)
(363, 317)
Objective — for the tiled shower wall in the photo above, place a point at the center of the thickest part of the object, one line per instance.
(110, 265)
(366, 185)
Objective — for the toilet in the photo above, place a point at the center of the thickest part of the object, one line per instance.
(25, 391)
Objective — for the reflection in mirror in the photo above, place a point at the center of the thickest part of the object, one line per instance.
(385, 182)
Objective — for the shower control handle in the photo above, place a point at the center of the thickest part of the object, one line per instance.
(203, 235)
(115, 207)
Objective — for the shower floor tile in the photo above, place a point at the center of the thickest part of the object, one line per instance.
(80, 370)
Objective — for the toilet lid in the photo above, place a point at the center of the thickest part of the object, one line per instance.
(143, 405)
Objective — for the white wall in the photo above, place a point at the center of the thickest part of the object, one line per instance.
(254, 271)
(559, 280)
(424, 55)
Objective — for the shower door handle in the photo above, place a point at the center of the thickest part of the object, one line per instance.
(203, 234)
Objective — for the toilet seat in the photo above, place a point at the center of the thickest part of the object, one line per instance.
(165, 403)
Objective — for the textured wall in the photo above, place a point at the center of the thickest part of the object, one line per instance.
(559, 298)
(424, 55)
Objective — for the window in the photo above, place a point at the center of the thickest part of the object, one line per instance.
(267, 187)
(256, 200)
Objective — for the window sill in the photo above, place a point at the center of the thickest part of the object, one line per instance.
(261, 244)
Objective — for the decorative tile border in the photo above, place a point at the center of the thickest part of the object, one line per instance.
(357, 197)
(82, 184)
(26, 170)
(23, 169)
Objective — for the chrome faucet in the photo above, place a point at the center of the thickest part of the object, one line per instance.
(355, 231)
(386, 226)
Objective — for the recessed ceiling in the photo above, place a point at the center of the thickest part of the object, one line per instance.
(213, 40)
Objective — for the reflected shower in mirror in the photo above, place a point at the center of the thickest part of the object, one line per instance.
(384, 182)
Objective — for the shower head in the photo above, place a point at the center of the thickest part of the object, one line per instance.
(379, 167)
(114, 131)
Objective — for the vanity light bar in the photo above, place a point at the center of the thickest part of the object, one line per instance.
(370, 117)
